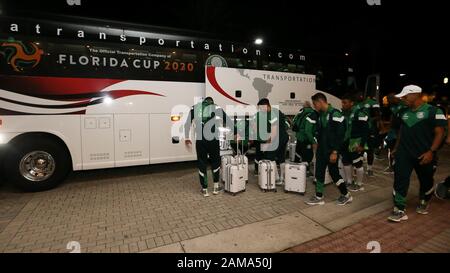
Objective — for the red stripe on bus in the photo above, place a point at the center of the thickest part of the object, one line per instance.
(211, 73)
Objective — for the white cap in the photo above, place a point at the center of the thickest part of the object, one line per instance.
(410, 89)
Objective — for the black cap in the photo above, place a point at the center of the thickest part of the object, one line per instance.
(264, 102)
(209, 100)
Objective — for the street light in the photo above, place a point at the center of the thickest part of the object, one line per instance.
(402, 75)
(446, 80)
(259, 41)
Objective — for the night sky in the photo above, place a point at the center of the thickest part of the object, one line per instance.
(397, 37)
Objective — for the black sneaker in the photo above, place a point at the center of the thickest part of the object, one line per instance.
(315, 201)
(388, 170)
(344, 200)
(422, 208)
(370, 173)
(355, 188)
(397, 216)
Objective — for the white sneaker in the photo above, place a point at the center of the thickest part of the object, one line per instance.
(205, 193)
(217, 189)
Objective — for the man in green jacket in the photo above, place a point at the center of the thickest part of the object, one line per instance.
(207, 118)
(271, 133)
(373, 109)
(330, 134)
(355, 141)
(421, 134)
(304, 125)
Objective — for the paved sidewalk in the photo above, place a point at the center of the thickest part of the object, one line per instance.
(160, 209)
(439, 244)
(429, 233)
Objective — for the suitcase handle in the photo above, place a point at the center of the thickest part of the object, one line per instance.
(301, 159)
(240, 157)
(237, 153)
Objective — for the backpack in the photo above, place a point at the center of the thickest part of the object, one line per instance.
(301, 116)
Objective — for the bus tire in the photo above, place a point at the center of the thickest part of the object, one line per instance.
(37, 164)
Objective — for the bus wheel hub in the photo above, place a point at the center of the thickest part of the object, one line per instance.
(37, 166)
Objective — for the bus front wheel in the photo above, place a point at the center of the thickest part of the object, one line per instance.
(37, 164)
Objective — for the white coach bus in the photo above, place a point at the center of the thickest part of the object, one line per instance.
(81, 94)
